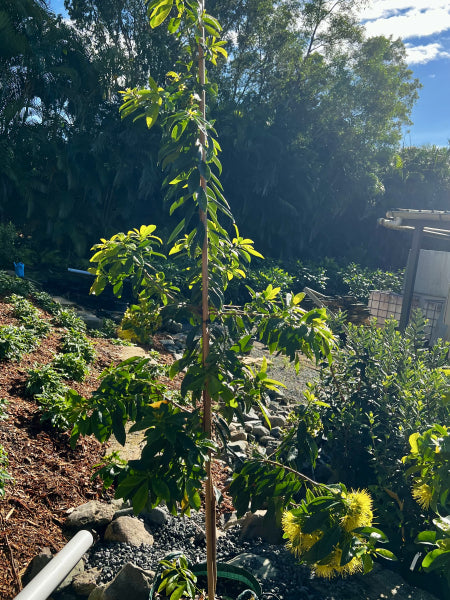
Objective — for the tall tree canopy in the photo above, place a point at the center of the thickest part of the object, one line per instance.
(312, 110)
(309, 112)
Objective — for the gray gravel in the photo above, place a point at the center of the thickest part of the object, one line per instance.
(281, 369)
(293, 581)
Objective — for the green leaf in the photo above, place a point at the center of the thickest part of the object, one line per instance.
(322, 548)
(426, 537)
(118, 427)
(235, 573)
(387, 554)
(176, 231)
(436, 559)
(140, 498)
(367, 562)
(160, 488)
(202, 199)
(176, 595)
(160, 13)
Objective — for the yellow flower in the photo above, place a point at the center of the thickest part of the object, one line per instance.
(359, 510)
(333, 567)
(298, 542)
(422, 494)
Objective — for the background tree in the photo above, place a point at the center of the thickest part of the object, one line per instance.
(313, 130)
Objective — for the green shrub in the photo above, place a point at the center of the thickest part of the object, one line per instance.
(75, 342)
(381, 388)
(70, 320)
(28, 315)
(108, 330)
(10, 284)
(140, 322)
(361, 281)
(46, 302)
(56, 409)
(70, 366)
(44, 379)
(16, 341)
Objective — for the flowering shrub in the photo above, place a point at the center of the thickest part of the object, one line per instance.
(332, 531)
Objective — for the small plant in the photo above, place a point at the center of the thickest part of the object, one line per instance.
(70, 366)
(56, 409)
(10, 284)
(28, 315)
(119, 342)
(16, 341)
(44, 379)
(176, 579)
(46, 302)
(4, 475)
(70, 320)
(140, 322)
(108, 330)
(75, 342)
(22, 307)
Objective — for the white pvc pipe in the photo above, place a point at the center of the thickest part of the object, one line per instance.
(47, 580)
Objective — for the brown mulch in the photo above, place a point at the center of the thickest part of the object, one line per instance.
(49, 478)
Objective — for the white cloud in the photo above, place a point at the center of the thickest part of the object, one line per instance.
(419, 55)
(406, 19)
(411, 20)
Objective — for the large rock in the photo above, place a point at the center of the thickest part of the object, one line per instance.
(156, 516)
(129, 530)
(260, 431)
(130, 582)
(384, 583)
(92, 515)
(238, 436)
(259, 525)
(277, 421)
(259, 566)
(238, 446)
(84, 583)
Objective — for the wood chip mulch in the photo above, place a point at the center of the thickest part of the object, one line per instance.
(49, 478)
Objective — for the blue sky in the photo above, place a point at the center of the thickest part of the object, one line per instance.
(424, 26)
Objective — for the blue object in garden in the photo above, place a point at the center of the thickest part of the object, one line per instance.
(19, 268)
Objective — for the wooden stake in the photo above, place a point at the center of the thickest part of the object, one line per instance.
(210, 508)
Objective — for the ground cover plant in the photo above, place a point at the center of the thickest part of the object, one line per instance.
(39, 473)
